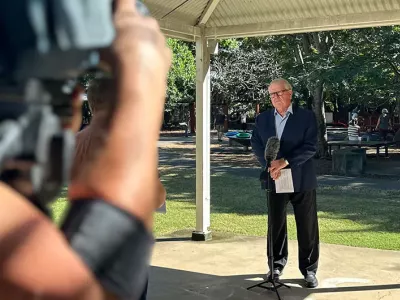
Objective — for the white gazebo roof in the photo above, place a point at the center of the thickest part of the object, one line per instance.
(218, 19)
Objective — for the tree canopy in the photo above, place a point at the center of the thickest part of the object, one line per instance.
(182, 75)
(328, 71)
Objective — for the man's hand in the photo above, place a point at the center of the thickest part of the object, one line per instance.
(276, 174)
(276, 167)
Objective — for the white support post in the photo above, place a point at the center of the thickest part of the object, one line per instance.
(203, 112)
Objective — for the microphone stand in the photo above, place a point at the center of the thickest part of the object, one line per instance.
(275, 283)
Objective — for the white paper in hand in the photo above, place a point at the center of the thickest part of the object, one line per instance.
(284, 184)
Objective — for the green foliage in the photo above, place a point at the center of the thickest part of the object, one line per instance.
(229, 43)
(239, 74)
(182, 75)
(373, 55)
(356, 67)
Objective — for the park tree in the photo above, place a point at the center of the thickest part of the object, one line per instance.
(338, 68)
(182, 75)
(314, 57)
(374, 54)
(239, 75)
(359, 67)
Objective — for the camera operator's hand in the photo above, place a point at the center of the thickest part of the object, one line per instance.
(125, 166)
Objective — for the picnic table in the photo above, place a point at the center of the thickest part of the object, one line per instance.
(362, 144)
(243, 138)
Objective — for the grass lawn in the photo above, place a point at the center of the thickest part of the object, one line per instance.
(354, 217)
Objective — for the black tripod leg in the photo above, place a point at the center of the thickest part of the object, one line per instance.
(275, 288)
(280, 284)
(256, 285)
(276, 284)
(261, 284)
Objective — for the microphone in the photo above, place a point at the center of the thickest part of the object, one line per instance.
(271, 150)
(270, 154)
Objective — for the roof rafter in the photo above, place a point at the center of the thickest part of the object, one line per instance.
(179, 31)
(208, 11)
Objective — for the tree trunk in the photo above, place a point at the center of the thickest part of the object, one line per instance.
(316, 41)
(306, 44)
(257, 109)
(192, 117)
(226, 112)
(319, 110)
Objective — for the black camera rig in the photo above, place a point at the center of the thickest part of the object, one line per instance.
(45, 46)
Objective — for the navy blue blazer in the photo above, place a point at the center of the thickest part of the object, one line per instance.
(298, 144)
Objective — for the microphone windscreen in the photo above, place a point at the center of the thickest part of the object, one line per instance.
(272, 148)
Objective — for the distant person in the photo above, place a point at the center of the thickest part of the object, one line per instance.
(384, 124)
(353, 131)
(186, 123)
(367, 136)
(243, 120)
(187, 120)
(220, 124)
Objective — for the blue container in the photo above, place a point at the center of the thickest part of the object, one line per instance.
(231, 133)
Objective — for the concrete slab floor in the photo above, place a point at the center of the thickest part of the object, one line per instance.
(223, 269)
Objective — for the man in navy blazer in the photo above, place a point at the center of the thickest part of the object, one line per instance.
(297, 130)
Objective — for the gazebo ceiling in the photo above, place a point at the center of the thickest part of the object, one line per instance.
(218, 19)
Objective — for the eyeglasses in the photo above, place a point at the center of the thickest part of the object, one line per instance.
(278, 94)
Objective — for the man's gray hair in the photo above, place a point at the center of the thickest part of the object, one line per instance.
(286, 83)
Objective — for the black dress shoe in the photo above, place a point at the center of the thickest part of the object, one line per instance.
(277, 273)
(311, 281)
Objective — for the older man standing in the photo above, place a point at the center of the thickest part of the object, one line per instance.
(297, 130)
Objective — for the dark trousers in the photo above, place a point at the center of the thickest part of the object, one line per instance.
(305, 212)
(384, 133)
(144, 294)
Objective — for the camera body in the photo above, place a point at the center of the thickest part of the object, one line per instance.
(47, 39)
(45, 46)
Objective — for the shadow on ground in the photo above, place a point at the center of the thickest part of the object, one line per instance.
(166, 283)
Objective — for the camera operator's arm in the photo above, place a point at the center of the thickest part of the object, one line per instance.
(118, 190)
(35, 260)
(123, 172)
(34, 257)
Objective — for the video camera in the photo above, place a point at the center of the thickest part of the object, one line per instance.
(45, 46)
